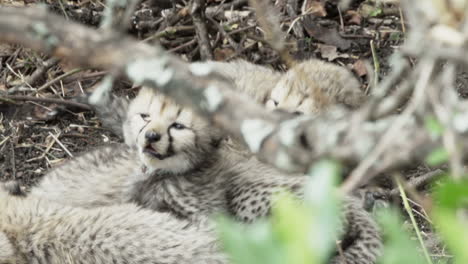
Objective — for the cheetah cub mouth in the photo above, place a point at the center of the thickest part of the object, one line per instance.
(150, 150)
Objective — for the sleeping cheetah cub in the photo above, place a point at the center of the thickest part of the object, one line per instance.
(33, 230)
(309, 87)
(177, 162)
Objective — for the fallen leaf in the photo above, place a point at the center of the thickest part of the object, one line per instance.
(221, 54)
(354, 18)
(328, 52)
(42, 113)
(359, 67)
(368, 10)
(315, 8)
(325, 34)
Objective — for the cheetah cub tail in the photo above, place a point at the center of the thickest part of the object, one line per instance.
(362, 243)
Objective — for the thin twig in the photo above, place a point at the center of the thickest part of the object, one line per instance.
(419, 181)
(169, 31)
(44, 153)
(233, 43)
(268, 18)
(413, 222)
(18, 75)
(45, 66)
(197, 10)
(375, 59)
(63, 9)
(13, 159)
(358, 174)
(60, 143)
(402, 20)
(129, 11)
(189, 43)
(58, 78)
(46, 100)
(341, 18)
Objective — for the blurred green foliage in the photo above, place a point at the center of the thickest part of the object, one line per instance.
(399, 248)
(297, 232)
(300, 232)
(451, 217)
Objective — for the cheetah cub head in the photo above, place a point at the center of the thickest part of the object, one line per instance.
(313, 85)
(168, 137)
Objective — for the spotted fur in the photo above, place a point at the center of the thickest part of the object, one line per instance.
(36, 231)
(187, 172)
(254, 80)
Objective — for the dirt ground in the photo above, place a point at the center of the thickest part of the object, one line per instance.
(38, 134)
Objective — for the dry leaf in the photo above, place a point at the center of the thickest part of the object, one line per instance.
(359, 67)
(354, 17)
(43, 113)
(315, 8)
(328, 52)
(328, 35)
(221, 54)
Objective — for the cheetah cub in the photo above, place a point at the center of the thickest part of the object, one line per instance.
(176, 162)
(308, 87)
(33, 230)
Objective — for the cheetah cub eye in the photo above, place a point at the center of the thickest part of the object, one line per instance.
(178, 126)
(145, 117)
(271, 104)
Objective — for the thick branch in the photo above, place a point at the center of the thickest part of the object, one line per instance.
(289, 144)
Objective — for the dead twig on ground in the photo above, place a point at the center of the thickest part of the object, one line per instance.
(39, 72)
(58, 78)
(418, 182)
(197, 11)
(55, 137)
(13, 98)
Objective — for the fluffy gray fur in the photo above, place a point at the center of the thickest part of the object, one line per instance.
(33, 230)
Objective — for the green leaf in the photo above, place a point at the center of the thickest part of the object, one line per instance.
(253, 244)
(451, 196)
(399, 248)
(321, 197)
(292, 224)
(395, 36)
(433, 126)
(437, 157)
(376, 12)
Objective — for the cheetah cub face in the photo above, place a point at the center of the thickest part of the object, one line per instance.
(168, 137)
(311, 86)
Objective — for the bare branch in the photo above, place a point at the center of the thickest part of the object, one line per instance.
(290, 144)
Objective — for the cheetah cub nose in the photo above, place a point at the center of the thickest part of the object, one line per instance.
(152, 136)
